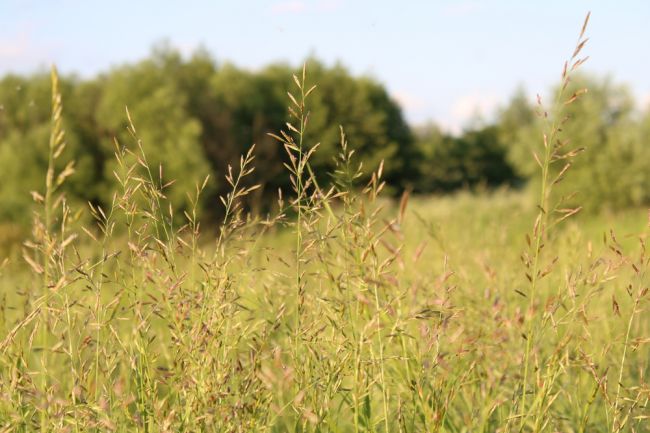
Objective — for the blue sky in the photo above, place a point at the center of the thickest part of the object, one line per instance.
(443, 60)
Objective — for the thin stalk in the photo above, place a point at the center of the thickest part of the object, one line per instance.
(541, 225)
(630, 321)
(299, 237)
(55, 143)
(73, 373)
(381, 353)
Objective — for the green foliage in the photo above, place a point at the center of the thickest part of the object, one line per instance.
(158, 109)
(24, 137)
(373, 123)
(197, 117)
(247, 106)
(516, 122)
(449, 163)
(614, 172)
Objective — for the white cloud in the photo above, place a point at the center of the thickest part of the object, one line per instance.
(21, 52)
(187, 49)
(471, 107)
(18, 52)
(329, 5)
(302, 6)
(461, 8)
(291, 6)
(644, 101)
(409, 101)
(14, 48)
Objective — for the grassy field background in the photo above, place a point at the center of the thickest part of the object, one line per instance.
(424, 333)
(340, 310)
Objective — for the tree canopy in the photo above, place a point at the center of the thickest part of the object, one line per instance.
(196, 116)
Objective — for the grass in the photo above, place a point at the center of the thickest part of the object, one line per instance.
(343, 311)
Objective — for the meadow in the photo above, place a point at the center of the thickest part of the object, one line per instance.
(342, 309)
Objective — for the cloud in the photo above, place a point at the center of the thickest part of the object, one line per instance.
(14, 48)
(465, 111)
(188, 49)
(18, 52)
(462, 8)
(471, 107)
(409, 101)
(21, 51)
(302, 6)
(329, 5)
(644, 101)
(291, 6)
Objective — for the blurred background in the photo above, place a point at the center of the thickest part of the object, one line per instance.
(443, 91)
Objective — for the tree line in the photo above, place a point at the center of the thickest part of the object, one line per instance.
(196, 116)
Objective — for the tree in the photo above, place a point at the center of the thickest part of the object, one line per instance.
(158, 108)
(475, 158)
(515, 124)
(24, 137)
(612, 170)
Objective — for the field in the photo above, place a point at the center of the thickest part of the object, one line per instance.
(341, 309)
(373, 315)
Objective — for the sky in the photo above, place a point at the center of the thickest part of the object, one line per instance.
(444, 61)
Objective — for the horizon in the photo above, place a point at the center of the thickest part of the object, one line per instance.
(384, 42)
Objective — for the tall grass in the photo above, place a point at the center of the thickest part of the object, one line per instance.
(340, 312)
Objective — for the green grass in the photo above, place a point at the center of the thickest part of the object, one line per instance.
(225, 354)
(342, 311)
